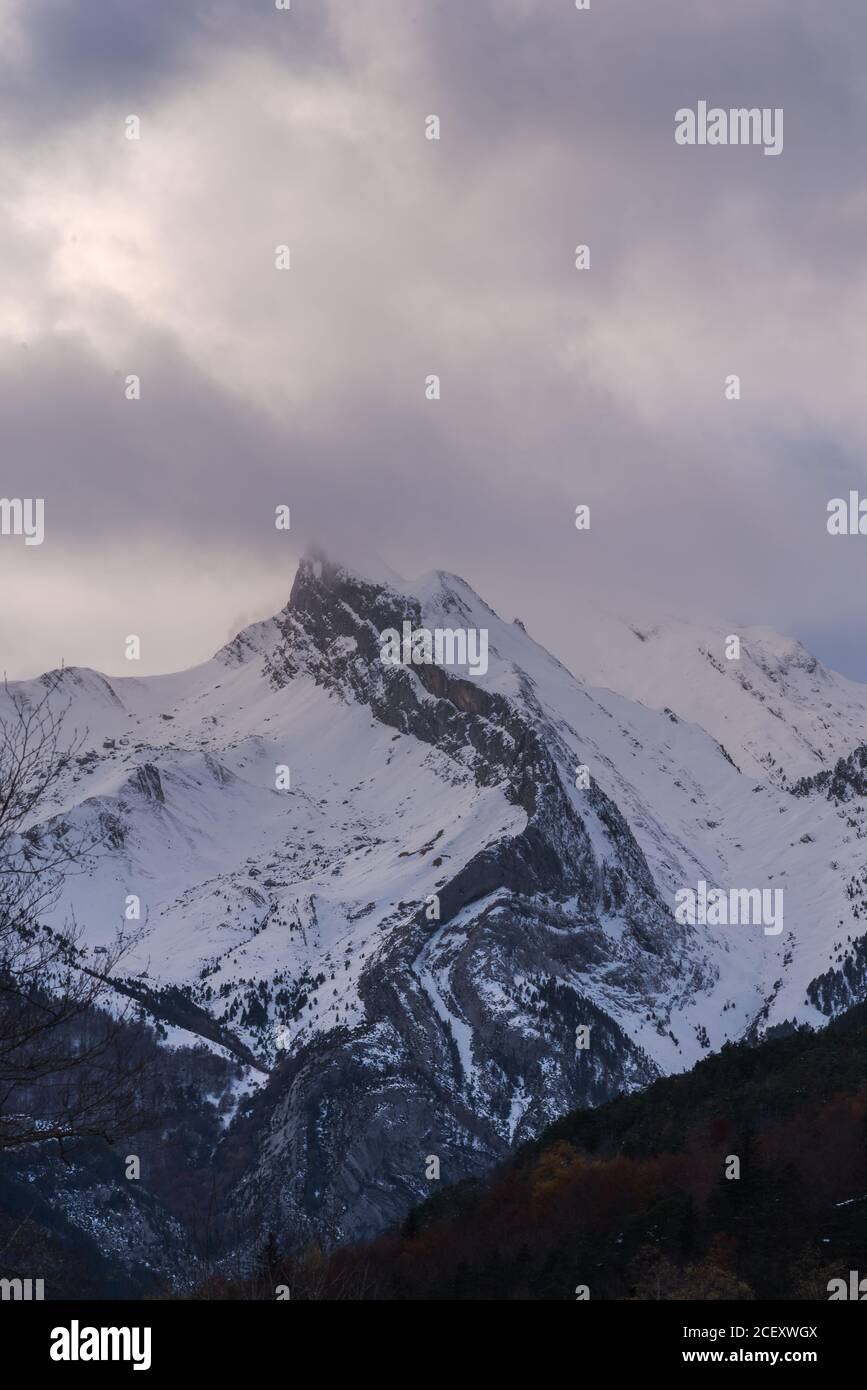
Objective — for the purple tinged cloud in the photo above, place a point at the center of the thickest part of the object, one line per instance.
(412, 257)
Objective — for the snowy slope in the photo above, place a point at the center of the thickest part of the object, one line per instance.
(693, 813)
(779, 712)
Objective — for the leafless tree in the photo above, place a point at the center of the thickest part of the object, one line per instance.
(68, 1065)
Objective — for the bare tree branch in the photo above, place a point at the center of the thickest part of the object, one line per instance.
(69, 1067)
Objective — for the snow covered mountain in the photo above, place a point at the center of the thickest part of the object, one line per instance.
(293, 813)
(777, 709)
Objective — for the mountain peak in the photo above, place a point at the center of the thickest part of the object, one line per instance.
(318, 564)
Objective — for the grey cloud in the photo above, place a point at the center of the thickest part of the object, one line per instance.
(80, 55)
(558, 388)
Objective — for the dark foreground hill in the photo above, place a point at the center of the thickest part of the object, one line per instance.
(632, 1199)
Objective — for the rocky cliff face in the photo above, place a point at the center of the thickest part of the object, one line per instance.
(469, 1033)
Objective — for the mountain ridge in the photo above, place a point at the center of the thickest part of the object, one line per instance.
(296, 918)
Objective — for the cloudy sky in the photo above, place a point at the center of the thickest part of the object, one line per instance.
(259, 387)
